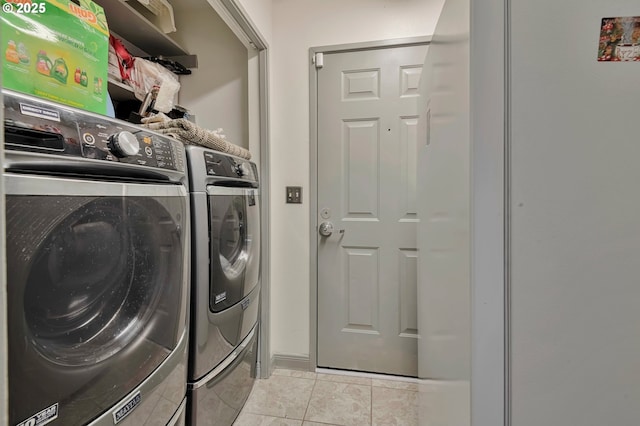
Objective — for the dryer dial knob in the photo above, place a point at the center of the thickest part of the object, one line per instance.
(124, 144)
(242, 169)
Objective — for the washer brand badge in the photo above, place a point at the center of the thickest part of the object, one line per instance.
(36, 111)
(43, 417)
(127, 408)
(221, 297)
(245, 303)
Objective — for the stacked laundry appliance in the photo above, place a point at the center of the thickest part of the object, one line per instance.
(225, 285)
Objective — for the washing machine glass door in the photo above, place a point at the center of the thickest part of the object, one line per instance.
(96, 291)
(234, 222)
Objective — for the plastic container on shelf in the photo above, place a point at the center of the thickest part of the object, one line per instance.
(163, 12)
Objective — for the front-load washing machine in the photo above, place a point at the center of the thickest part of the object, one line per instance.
(225, 211)
(98, 249)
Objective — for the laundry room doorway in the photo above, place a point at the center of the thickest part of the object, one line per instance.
(363, 169)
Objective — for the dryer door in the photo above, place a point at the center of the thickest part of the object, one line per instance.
(234, 222)
(96, 291)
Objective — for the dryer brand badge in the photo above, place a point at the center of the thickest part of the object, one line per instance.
(126, 408)
(221, 297)
(42, 418)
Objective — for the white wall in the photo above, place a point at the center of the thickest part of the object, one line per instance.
(217, 91)
(575, 209)
(297, 26)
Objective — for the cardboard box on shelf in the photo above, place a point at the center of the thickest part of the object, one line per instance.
(56, 50)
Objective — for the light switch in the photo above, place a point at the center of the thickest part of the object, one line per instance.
(294, 195)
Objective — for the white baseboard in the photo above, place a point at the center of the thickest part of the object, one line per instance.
(291, 362)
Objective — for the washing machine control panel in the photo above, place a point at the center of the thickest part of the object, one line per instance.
(39, 126)
(125, 143)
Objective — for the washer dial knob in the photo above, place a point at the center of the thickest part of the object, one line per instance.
(124, 144)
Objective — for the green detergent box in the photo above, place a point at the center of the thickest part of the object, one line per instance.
(56, 50)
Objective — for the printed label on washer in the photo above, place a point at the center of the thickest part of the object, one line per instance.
(42, 418)
(36, 111)
(126, 408)
(221, 297)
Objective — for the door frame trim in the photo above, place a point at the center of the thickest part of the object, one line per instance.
(313, 169)
(490, 212)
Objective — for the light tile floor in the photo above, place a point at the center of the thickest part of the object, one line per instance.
(298, 398)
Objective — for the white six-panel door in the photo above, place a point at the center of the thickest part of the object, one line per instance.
(367, 266)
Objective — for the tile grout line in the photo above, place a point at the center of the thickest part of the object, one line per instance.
(377, 376)
(371, 411)
(304, 416)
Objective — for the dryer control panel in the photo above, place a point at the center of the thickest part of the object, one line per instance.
(34, 125)
(225, 166)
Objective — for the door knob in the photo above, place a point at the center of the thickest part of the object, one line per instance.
(326, 229)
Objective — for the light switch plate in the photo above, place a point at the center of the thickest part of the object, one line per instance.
(294, 195)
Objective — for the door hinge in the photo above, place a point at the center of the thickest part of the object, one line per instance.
(318, 60)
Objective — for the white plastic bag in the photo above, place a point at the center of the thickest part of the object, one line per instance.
(147, 75)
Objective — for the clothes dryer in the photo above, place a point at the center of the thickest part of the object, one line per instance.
(97, 245)
(225, 206)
